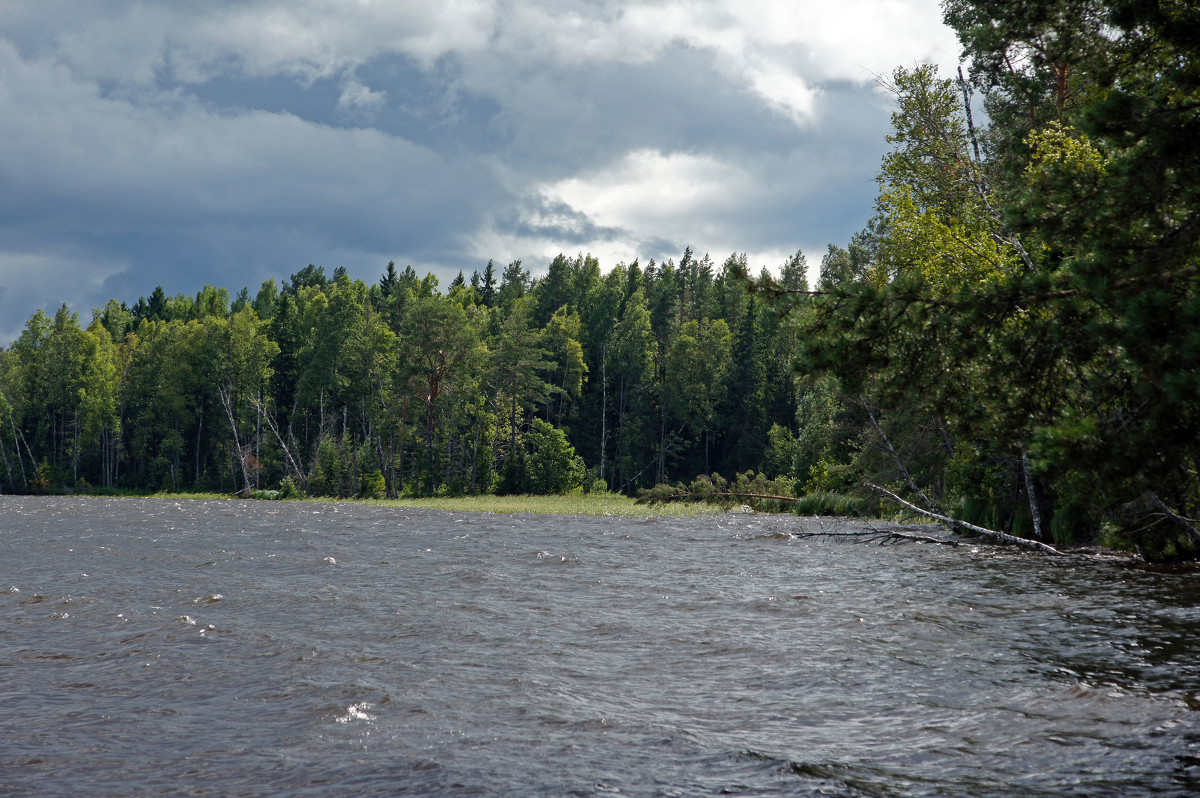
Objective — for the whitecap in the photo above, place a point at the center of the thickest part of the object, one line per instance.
(356, 712)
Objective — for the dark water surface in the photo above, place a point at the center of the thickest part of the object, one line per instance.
(154, 647)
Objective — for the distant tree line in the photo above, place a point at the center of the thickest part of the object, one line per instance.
(329, 386)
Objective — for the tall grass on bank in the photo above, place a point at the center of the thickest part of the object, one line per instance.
(592, 504)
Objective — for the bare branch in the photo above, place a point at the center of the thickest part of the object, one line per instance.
(876, 536)
(1183, 523)
(287, 450)
(226, 393)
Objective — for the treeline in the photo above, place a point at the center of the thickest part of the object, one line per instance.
(325, 385)
(1011, 340)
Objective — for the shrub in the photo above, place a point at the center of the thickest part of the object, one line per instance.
(288, 489)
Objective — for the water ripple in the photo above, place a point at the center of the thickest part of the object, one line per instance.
(216, 647)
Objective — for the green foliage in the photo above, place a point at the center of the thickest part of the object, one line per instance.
(45, 480)
(823, 434)
(289, 490)
(836, 504)
(819, 477)
(780, 454)
(1020, 313)
(553, 465)
(326, 386)
(514, 477)
(328, 476)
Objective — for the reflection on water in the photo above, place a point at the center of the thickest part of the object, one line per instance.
(154, 646)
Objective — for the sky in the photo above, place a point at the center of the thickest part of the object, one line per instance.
(179, 144)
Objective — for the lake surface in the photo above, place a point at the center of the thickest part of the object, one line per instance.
(155, 647)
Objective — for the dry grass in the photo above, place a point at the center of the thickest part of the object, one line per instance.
(585, 504)
(594, 504)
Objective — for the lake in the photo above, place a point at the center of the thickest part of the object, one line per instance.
(161, 647)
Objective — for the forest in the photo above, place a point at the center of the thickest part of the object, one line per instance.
(1012, 339)
(500, 383)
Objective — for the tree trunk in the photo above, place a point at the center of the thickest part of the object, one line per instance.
(199, 433)
(621, 425)
(7, 465)
(18, 439)
(291, 460)
(1183, 523)
(227, 401)
(1033, 505)
(512, 420)
(258, 440)
(603, 409)
(661, 477)
(429, 426)
(75, 449)
(475, 454)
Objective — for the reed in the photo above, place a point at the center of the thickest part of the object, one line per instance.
(593, 504)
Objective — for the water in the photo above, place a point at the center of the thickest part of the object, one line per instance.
(153, 647)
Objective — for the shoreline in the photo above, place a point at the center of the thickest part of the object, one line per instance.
(588, 504)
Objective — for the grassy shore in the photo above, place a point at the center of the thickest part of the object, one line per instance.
(595, 504)
(586, 504)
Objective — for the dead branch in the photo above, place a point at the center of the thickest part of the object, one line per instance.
(292, 459)
(875, 536)
(1036, 545)
(735, 495)
(917, 538)
(1178, 520)
(226, 393)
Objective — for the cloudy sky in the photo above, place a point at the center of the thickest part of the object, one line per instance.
(178, 144)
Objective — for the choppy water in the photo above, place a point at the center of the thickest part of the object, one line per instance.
(153, 647)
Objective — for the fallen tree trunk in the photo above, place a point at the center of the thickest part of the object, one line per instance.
(1036, 545)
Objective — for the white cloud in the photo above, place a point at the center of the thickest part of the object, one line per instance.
(358, 97)
(649, 204)
(128, 49)
(780, 52)
(313, 39)
(649, 194)
(133, 42)
(786, 92)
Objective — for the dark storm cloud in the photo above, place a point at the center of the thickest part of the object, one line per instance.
(226, 143)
